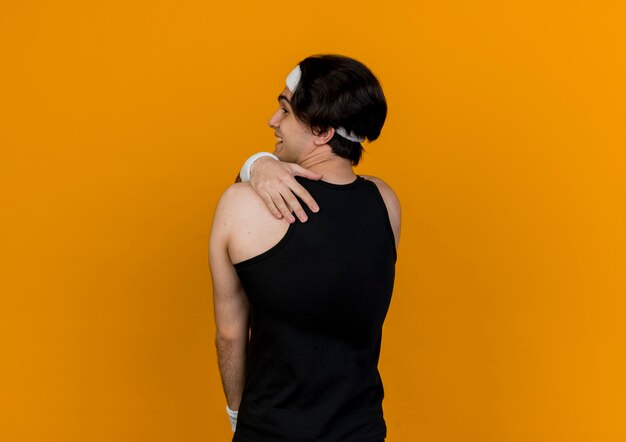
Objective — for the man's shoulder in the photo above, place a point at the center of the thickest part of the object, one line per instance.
(237, 190)
(391, 202)
(238, 194)
(385, 190)
(239, 199)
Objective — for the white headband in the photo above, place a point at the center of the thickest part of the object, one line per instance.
(292, 83)
(293, 79)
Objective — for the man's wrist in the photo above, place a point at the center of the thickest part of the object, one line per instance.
(232, 417)
(244, 174)
(260, 161)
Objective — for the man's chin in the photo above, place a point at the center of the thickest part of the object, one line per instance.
(278, 153)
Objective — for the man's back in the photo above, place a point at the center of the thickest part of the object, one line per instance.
(255, 230)
(318, 294)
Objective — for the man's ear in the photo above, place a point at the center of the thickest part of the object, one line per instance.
(324, 137)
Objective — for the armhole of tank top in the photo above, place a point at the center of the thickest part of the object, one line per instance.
(269, 252)
(383, 207)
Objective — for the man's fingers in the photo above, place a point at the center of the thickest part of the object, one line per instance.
(280, 190)
(279, 202)
(299, 212)
(293, 202)
(304, 195)
(306, 173)
(269, 202)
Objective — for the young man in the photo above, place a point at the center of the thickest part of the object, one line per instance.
(299, 307)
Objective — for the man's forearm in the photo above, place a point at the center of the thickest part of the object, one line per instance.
(231, 356)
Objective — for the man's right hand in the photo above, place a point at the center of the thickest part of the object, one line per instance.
(274, 182)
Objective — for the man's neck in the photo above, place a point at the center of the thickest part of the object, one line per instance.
(335, 169)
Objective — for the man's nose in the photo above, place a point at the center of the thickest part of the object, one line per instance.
(274, 120)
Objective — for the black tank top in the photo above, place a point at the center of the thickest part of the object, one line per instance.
(318, 300)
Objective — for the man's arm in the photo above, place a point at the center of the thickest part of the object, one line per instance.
(391, 203)
(275, 183)
(230, 305)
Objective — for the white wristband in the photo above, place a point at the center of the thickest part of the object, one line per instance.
(244, 174)
(232, 416)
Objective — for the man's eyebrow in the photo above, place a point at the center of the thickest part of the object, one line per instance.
(282, 97)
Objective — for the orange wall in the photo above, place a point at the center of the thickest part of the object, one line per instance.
(122, 122)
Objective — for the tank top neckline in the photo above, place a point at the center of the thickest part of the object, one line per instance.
(357, 182)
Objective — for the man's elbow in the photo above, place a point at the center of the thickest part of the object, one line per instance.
(231, 337)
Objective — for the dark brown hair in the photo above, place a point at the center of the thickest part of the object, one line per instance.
(337, 91)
